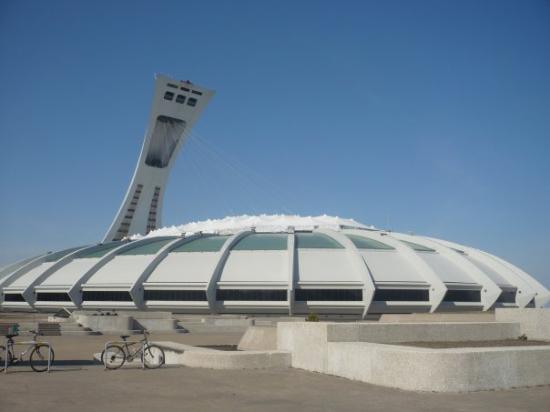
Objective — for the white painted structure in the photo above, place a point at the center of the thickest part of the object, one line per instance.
(322, 269)
(254, 264)
(176, 107)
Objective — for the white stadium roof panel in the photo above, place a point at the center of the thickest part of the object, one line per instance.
(185, 268)
(446, 270)
(495, 276)
(70, 273)
(331, 266)
(388, 266)
(29, 277)
(265, 266)
(121, 270)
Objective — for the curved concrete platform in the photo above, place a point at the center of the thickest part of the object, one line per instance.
(196, 357)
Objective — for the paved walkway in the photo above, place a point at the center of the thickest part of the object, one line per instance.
(90, 388)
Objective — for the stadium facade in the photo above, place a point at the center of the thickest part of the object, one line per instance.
(337, 268)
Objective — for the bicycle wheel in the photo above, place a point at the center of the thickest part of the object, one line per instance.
(113, 357)
(152, 356)
(2, 358)
(39, 358)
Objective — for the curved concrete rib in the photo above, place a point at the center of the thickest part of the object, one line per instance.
(359, 265)
(136, 290)
(223, 255)
(437, 287)
(525, 292)
(291, 250)
(542, 295)
(490, 292)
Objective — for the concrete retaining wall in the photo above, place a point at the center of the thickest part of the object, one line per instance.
(179, 354)
(534, 322)
(259, 338)
(124, 322)
(440, 370)
(344, 350)
(118, 324)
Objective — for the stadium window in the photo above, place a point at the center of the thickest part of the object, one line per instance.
(330, 295)
(168, 96)
(53, 297)
(401, 295)
(462, 296)
(507, 297)
(252, 294)
(175, 295)
(180, 99)
(192, 101)
(106, 295)
(14, 297)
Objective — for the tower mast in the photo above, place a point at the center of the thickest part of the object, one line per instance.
(176, 107)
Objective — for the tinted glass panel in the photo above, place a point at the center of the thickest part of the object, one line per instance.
(14, 297)
(168, 96)
(316, 241)
(180, 98)
(251, 294)
(104, 295)
(167, 133)
(191, 101)
(328, 294)
(174, 295)
(53, 297)
(101, 250)
(401, 295)
(204, 244)
(52, 257)
(507, 297)
(361, 242)
(462, 296)
(262, 241)
(149, 248)
(417, 247)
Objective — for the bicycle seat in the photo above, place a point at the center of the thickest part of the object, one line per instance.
(124, 337)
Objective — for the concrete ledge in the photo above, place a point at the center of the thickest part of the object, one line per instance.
(259, 338)
(308, 340)
(430, 332)
(440, 370)
(534, 322)
(179, 354)
(125, 322)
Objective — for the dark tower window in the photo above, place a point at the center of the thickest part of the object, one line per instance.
(166, 135)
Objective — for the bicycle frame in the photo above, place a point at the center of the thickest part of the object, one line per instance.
(10, 344)
(126, 348)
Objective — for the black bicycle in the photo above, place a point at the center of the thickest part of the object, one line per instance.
(114, 355)
(40, 354)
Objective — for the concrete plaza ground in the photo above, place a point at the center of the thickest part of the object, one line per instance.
(77, 383)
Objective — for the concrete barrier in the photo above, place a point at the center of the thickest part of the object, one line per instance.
(534, 322)
(440, 370)
(354, 351)
(192, 356)
(259, 338)
(106, 323)
(125, 322)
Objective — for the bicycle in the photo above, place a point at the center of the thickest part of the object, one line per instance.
(38, 357)
(114, 356)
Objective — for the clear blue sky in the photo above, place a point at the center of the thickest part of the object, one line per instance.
(425, 116)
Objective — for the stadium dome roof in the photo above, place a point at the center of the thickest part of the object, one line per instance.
(254, 264)
(271, 264)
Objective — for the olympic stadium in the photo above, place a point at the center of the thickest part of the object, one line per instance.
(281, 265)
